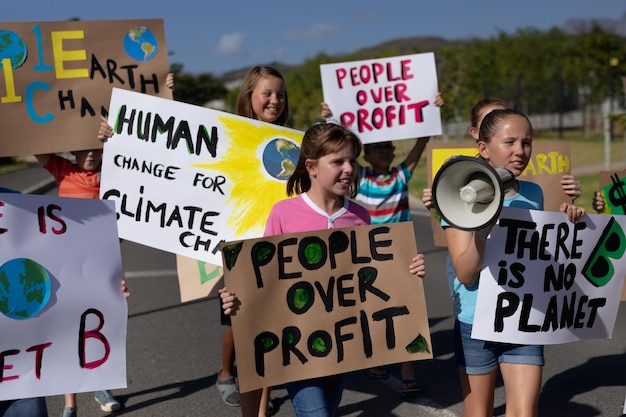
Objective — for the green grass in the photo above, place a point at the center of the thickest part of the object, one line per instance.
(589, 184)
(12, 166)
(583, 152)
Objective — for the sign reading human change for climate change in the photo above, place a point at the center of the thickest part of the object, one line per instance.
(61, 308)
(325, 302)
(184, 177)
(385, 98)
(546, 280)
(56, 79)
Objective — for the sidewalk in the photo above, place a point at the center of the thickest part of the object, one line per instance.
(595, 168)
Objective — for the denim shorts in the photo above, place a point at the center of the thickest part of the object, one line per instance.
(479, 357)
(316, 397)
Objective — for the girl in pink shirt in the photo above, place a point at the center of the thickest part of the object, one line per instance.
(326, 174)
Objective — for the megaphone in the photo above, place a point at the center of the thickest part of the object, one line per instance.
(468, 192)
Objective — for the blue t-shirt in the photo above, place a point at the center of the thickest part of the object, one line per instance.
(529, 196)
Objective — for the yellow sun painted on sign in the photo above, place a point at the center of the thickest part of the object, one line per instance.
(257, 163)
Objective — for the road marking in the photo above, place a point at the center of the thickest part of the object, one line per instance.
(151, 274)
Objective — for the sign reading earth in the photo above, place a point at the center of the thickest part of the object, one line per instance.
(24, 288)
(13, 47)
(280, 157)
(141, 44)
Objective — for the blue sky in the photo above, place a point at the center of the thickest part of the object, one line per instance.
(219, 36)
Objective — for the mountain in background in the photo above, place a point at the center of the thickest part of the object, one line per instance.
(405, 46)
(576, 25)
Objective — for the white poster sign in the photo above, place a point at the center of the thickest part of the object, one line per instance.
(62, 311)
(185, 178)
(546, 280)
(385, 98)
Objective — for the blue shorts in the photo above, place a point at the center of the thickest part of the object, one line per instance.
(479, 357)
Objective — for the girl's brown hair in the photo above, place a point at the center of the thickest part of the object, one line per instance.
(320, 140)
(491, 122)
(482, 104)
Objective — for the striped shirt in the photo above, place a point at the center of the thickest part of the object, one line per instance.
(386, 197)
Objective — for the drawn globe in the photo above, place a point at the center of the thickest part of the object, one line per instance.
(280, 157)
(141, 44)
(24, 288)
(12, 46)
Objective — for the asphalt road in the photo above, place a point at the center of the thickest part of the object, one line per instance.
(173, 350)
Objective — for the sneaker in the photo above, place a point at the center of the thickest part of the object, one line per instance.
(107, 401)
(68, 412)
(228, 391)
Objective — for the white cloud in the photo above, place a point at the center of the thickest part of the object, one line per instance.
(233, 44)
(321, 30)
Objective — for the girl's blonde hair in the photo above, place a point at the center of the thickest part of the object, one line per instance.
(320, 140)
(243, 107)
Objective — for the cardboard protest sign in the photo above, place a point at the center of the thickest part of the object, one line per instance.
(197, 279)
(613, 190)
(185, 178)
(549, 162)
(56, 79)
(384, 99)
(325, 302)
(60, 297)
(546, 280)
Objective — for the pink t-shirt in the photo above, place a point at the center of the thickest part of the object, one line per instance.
(300, 214)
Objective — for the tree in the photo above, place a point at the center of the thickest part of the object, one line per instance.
(196, 89)
(595, 50)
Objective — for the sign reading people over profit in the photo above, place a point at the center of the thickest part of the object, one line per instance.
(56, 79)
(546, 280)
(184, 177)
(385, 98)
(549, 162)
(62, 311)
(325, 302)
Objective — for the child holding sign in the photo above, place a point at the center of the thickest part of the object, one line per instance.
(504, 139)
(324, 179)
(81, 179)
(262, 96)
(569, 183)
(384, 192)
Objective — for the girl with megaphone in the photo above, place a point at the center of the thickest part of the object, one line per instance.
(504, 140)
(569, 183)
